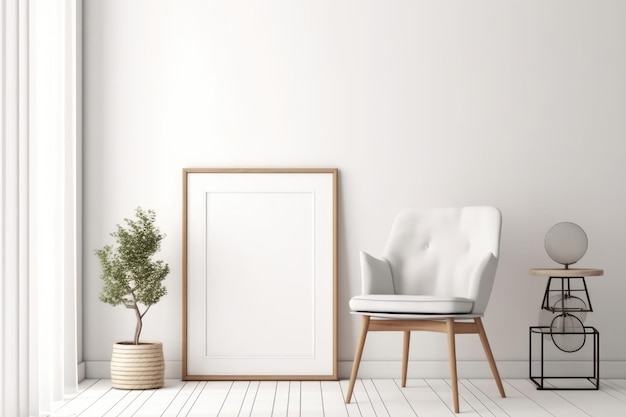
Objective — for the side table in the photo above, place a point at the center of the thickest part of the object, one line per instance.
(564, 308)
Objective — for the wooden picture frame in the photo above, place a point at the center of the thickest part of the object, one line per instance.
(260, 274)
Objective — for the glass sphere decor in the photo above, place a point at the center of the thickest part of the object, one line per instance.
(566, 243)
(560, 304)
(572, 305)
(567, 332)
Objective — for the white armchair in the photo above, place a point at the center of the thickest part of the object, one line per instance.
(436, 274)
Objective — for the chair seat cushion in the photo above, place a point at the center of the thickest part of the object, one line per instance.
(410, 304)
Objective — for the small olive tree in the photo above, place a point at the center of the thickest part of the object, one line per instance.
(129, 274)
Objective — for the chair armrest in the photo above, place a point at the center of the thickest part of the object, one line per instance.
(481, 283)
(376, 275)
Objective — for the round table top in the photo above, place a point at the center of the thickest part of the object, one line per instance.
(567, 273)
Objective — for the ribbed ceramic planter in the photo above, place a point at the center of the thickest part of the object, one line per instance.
(137, 366)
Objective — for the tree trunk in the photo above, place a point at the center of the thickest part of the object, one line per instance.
(138, 326)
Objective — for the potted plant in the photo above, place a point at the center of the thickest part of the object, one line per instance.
(132, 278)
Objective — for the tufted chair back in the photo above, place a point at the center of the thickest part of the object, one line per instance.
(450, 252)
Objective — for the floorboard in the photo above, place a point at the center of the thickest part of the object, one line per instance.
(371, 398)
(424, 400)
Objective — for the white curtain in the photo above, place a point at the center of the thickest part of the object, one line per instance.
(40, 204)
(14, 289)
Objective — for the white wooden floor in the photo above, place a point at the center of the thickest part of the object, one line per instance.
(372, 397)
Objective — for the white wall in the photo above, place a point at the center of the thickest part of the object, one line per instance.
(519, 104)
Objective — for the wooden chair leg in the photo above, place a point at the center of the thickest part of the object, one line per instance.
(490, 359)
(405, 356)
(452, 355)
(357, 357)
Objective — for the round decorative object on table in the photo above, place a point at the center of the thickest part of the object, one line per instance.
(571, 304)
(566, 243)
(575, 306)
(567, 332)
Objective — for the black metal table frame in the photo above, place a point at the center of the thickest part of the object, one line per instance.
(539, 380)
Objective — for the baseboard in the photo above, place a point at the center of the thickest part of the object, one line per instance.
(434, 369)
(417, 369)
(480, 369)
